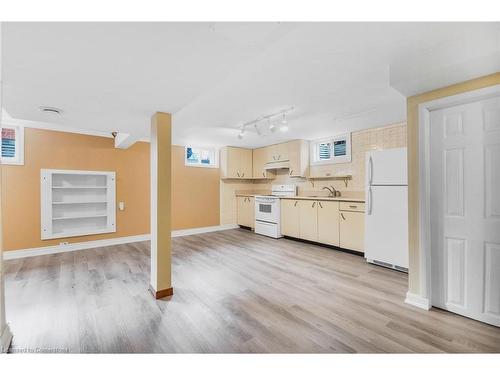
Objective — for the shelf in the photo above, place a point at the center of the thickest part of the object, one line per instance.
(80, 202)
(79, 187)
(346, 177)
(78, 217)
(77, 203)
(74, 233)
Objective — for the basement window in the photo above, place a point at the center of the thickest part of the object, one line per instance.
(331, 150)
(200, 157)
(12, 145)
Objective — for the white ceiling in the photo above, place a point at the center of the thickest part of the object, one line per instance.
(214, 76)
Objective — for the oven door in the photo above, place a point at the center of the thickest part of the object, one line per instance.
(267, 209)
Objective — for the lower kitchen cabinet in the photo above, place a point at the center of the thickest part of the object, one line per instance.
(308, 221)
(290, 218)
(328, 222)
(352, 230)
(245, 211)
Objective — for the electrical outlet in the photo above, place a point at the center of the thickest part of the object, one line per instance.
(63, 243)
(121, 206)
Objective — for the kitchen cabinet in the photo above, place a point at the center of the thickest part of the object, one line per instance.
(298, 154)
(308, 221)
(236, 162)
(260, 158)
(328, 222)
(290, 218)
(352, 230)
(245, 211)
(278, 152)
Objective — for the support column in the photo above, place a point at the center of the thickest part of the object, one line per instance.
(161, 182)
(5, 334)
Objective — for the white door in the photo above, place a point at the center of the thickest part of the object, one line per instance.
(386, 167)
(465, 209)
(386, 225)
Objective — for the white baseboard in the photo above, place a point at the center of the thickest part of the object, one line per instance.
(24, 253)
(35, 251)
(5, 339)
(418, 301)
(216, 228)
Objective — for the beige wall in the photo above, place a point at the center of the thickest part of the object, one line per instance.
(195, 191)
(413, 165)
(195, 194)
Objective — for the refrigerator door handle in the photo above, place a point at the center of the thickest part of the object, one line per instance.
(369, 211)
(370, 171)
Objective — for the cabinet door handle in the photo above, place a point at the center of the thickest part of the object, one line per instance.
(320, 204)
(314, 203)
(274, 157)
(291, 172)
(353, 206)
(263, 174)
(279, 157)
(341, 214)
(238, 173)
(243, 174)
(295, 204)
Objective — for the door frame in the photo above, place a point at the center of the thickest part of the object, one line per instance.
(424, 298)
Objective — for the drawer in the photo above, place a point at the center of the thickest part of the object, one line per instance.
(352, 206)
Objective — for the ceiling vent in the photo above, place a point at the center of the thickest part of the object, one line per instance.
(52, 110)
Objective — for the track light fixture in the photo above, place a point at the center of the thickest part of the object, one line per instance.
(271, 127)
(242, 133)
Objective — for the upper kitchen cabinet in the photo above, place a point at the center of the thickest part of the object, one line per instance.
(236, 162)
(298, 154)
(278, 152)
(260, 159)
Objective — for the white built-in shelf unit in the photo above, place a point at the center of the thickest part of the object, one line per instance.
(77, 203)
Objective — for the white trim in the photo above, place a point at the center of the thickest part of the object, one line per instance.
(5, 339)
(313, 148)
(188, 232)
(18, 159)
(35, 251)
(418, 301)
(424, 179)
(215, 151)
(53, 127)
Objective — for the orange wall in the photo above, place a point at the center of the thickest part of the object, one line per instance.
(59, 150)
(195, 191)
(195, 194)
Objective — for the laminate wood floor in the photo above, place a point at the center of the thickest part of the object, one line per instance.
(234, 291)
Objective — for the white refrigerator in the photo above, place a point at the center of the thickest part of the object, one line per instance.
(386, 218)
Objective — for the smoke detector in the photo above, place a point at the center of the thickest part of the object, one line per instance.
(52, 110)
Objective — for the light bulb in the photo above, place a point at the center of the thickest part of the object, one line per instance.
(241, 133)
(272, 127)
(283, 121)
(284, 127)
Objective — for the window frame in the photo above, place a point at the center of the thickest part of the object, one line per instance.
(213, 150)
(314, 150)
(18, 159)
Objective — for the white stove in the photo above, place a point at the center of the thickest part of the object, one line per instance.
(267, 210)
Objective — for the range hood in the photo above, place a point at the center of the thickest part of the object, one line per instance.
(281, 164)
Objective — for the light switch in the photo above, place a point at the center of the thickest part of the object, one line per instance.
(121, 206)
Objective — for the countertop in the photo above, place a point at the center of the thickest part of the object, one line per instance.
(298, 197)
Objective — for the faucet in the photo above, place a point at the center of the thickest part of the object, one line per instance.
(332, 192)
(336, 193)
